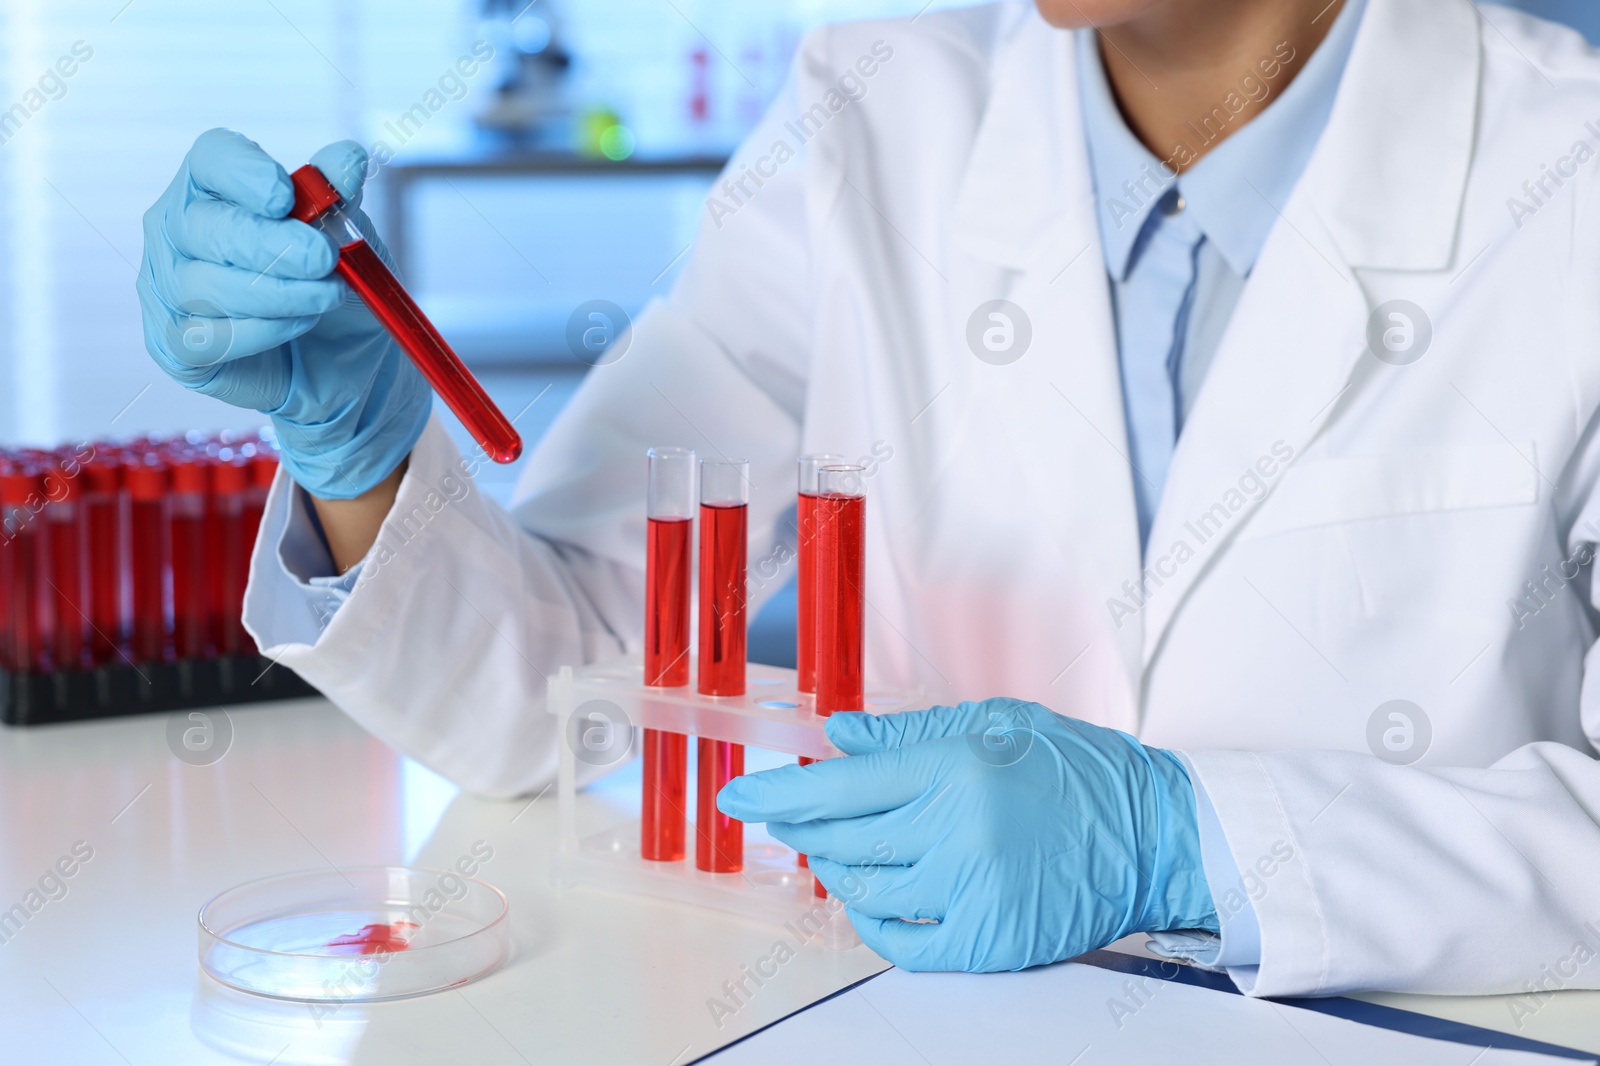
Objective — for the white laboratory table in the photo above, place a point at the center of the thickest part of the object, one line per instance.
(107, 973)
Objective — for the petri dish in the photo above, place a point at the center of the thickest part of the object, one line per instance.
(356, 935)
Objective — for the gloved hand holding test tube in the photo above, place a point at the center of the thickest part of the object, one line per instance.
(270, 293)
(318, 203)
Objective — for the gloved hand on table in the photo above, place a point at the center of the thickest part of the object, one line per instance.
(1027, 836)
(239, 304)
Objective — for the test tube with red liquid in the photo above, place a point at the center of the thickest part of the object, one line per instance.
(317, 203)
(6, 567)
(724, 552)
(227, 548)
(263, 469)
(841, 588)
(263, 458)
(21, 560)
(103, 505)
(186, 504)
(214, 447)
(805, 630)
(810, 467)
(841, 512)
(147, 478)
(669, 528)
(66, 520)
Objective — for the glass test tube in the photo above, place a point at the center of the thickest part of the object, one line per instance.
(6, 466)
(186, 511)
(317, 203)
(669, 519)
(66, 520)
(805, 630)
(212, 534)
(805, 579)
(147, 479)
(103, 505)
(227, 548)
(263, 469)
(724, 549)
(840, 593)
(841, 588)
(21, 496)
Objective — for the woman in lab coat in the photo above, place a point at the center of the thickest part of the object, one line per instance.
(1354, 591)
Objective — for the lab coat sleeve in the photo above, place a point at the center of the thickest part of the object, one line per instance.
(464, 608)
(1366, 875)
(441, 646)
(1239, 941)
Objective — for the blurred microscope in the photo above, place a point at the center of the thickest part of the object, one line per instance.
(531, 108)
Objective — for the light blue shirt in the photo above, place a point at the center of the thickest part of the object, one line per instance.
(1178, 249)
(1177, 253)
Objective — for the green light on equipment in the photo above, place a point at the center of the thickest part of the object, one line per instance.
(616, 142)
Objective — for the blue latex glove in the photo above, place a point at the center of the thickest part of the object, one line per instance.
(239, 304)
(1026, 836)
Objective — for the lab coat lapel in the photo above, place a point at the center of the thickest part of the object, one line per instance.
(1382, 192)
(1296, 335)
(1025, 216)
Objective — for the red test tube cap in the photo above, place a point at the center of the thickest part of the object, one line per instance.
(189, 475)
(63, 484)
(17, 483)
(313, 194)
(147, 477)
(263, 468)
(103, 471)
(229, 475)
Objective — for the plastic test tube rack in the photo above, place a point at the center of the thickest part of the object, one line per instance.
(772, 714)
(122, 567)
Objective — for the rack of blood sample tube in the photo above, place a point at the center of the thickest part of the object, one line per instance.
(709, 692)
(122, 576)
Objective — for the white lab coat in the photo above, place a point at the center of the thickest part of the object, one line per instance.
(826, 307)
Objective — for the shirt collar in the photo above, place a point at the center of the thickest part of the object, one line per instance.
(1234, 193)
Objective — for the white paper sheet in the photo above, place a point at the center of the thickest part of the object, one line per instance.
(1078, 1015)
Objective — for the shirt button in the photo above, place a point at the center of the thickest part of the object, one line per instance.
(1173, 204)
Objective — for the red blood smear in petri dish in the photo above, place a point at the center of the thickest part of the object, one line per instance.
(805, 615)
(841, 600)
(364, 272)
(724, 538)
(103, 508)
(662, 817)
(719, 840)
(380, 938)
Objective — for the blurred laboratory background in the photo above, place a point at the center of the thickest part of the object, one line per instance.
(571, 165)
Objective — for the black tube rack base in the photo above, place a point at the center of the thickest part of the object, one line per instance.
(40, 698)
